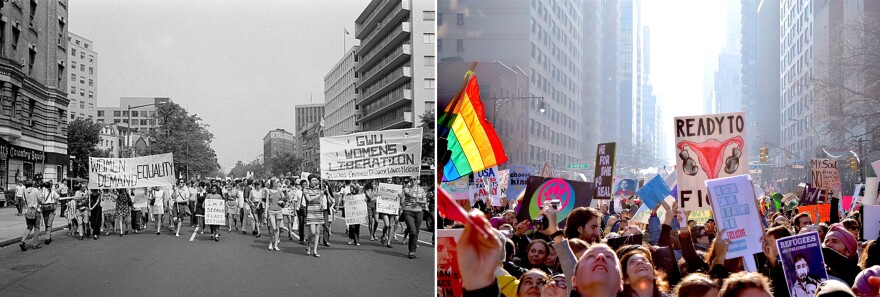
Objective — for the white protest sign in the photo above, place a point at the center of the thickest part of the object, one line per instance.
(140, 199)
(643, 214)
(826, 176)
(708, 147)
(147, 171)
(733, 203)
(215, 212)
(870, 191)
(372, 154)
(457, 189)
(876, 166)
(485, 185)
(355, 209)
(388, 201)
(503, 179)
(872, 222)
(516, 184)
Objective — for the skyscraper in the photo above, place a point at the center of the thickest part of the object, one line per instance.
(83, 72)
(339, 91)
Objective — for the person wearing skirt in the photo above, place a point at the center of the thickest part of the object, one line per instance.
(315, 204)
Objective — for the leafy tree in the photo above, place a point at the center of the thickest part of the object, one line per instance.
(284, 164)
(82, 141)
(428, 123)
(187, 138)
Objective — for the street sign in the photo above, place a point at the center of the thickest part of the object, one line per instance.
(797, 164)
(578, 166)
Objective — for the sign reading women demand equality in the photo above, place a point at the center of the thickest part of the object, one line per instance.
(372, 154)
(139, 172)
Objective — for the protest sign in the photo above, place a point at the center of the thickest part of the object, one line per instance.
(871, 222)
(624, 187)
(876, 166)
(826, 176)
(818, 212)
(856, 197)
(708, 147)
(517, 177)
(846, 201)
(733, 203)
(604, 173)
(485, 186)
(140, 199)
(372, 154)
(810, 195)
(871, 186)
(643, 214)
(355, 209)
(448, 274)
(108, 202)
(457, 189)
(700, 216)
(146, 171)
(540, 190)
(653, 192)
(388, 201)
(503, 179)
(215, 212)
(802, 263)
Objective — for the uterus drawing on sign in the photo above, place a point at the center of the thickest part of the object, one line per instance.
(711, 156)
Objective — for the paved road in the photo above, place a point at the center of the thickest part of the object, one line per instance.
(147, 264)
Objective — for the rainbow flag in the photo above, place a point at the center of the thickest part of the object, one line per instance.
(471, 141)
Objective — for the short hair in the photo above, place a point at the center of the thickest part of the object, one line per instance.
(798, 257)
(539, 241)
(710, 220)
(577, 245)
(797, 218)
(741, 281)
(850, 224)
(779, 232)
(578, 218)
(695, 284)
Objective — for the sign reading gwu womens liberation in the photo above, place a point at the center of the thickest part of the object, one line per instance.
(373, 154)
(139, 172)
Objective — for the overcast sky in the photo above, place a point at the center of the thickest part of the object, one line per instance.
(240, 65)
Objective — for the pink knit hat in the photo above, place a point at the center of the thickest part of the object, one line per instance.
(838, 231)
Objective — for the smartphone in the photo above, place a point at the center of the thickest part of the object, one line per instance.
(554, 204)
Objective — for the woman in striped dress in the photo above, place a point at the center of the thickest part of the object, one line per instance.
(315, 204)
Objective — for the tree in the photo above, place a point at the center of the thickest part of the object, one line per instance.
(82, 141)
(428, 123)
(284, 164)
(186, 137)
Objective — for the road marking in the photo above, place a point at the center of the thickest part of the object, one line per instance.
(194, 234)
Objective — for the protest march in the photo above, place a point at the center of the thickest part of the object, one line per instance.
(707, 228)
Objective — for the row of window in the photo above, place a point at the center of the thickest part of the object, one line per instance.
(82, 55)
(134, 113)
(82, 104)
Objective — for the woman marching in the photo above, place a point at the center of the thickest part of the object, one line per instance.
(413, 204)
(315, 203)
(275, 203)
(371, 190)
(233, 195)
(123, 210)
(180, 206)
(201, 195)
(294, 195)
(258, 194)
(48, 204)
(215, 194)
(157, 202)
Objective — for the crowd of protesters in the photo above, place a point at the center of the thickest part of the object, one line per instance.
(600, 252)
(304, 208)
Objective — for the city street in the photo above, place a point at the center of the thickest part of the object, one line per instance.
(239, 265)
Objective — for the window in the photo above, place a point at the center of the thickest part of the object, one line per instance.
(460, 19)
(459, 44)
(117, 113)
(91, 58)
(82, 92)
(91, 107)
(143, 122)
(91, 95)
(91, 70)
(429, 60)
(73, 64)
(430, 83)
(73, 53)
(117, 121)
(73, 78)
(100, 113)
(428, 15)
(82, 105)
(32, 57)
(82, 79)
(430, 38)
(91, 82)
(125, 113)
(82, 67)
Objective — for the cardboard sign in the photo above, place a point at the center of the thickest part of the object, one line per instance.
(604, 173)
(700, 216)
(503, 180)
(388, 201)
(803, 263)
(818, 213)
(457, 189)
(653, 192)
(517, 177)
(541, 190)
(708, 147)
(146, 171)
(448, 274)
(826, 176)
(871, 222)
(372, 154)
(355, 209)
(215, 212)
(733, 203)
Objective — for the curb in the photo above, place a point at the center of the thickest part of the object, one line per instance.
(16, 240)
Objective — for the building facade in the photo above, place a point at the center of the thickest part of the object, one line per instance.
(143, 113)
(278, 142)
(396, 63)
(305, 115)
(311, 147)
(543, 39)
(340, 95)
(83, 72)
(33, 91)
(609, 103)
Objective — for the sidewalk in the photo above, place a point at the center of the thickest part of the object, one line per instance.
(12, 226)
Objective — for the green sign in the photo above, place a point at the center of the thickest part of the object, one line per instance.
(578, 166)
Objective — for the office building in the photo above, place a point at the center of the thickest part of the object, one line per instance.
(278, 142)
(340, 95)
(83, 84)
(305, 115)
(142, 116)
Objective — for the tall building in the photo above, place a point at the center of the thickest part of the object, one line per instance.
(591, 78)
(305, 115)
(278, 142)
(340, 85)
(83, 72)
(609, 104)
(33, 88)
(310, 146)
(543, 39)
(396, 65)
(143, 113)
(761, 78)
(627, 80)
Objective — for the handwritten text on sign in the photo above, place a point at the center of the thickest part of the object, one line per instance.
(388, 201)
(373, 154)
(115, 173)
(215, 212)
(733, 203)
(355, 209)
(604, 170)
(826, 176)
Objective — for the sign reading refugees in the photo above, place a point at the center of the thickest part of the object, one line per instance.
(733, 203)
(517, 177)
(541, 190)
(373, 154)
(708, 147)
(215, 212)
(355, 209)
(826, 176)
(388, 201)
(802, 263)
(604, 170)
(138, 172)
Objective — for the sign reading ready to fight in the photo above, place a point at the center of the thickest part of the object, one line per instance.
(708, 147)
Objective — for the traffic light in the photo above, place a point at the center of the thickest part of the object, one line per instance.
(853, 164)
(764, 154)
